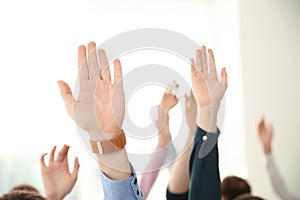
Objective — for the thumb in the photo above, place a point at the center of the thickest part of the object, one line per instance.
(224, 78)
(76, 169)
(67, 96)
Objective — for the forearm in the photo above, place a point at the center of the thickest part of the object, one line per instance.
(204, 172)
(207, 117)
(116, 165)
(180, 179)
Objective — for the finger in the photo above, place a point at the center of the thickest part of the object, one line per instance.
(224, 78)
(82, 64)
(67, 96)
(104, 66)
(195, 74)
(212, 64)
(93, 66)
(204, 60)
(63, 153)
(42, 160)
(187, 101)
(198, 61)
(118, 72)
(76, 168)
(271, 128)
(51, 158)
(193, 69)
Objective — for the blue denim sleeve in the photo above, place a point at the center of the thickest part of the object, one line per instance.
(126, 189)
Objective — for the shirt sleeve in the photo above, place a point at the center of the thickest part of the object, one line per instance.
(126, 189)
(151, 172)
(277, 181)
(205, 180)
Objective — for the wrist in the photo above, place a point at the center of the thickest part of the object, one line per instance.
(102, 135)
(267, 150)
(115, 165)
(165, 109)
(207, 117)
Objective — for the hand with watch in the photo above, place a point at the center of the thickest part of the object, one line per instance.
(100, 109)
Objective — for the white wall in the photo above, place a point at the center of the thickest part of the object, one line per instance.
(270, 39)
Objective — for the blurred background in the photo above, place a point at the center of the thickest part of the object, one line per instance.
(258, 42)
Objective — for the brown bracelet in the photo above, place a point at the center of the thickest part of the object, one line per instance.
(114, 144)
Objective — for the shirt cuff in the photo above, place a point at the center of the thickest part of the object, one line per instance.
(208, 140)
(123, 189)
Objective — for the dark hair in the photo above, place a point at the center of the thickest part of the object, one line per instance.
(233, 186)
(21, 195)
(25, 187)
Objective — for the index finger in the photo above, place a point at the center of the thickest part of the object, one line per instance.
(82, 63)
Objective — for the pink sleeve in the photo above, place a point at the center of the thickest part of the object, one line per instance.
(151, 172)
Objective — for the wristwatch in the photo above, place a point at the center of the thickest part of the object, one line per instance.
(114, 144)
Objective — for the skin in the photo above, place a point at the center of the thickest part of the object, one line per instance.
(169, 100)
(57, 179)
(207, 89)
(100, 106)
(265, 134)
(180, 180)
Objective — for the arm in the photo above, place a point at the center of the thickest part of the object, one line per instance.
(265, 133)
(99, 110)
(208, 91)
(57, 179)
(180, 179)
(169, 100)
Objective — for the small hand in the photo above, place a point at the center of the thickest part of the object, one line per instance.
(57, 179)
(100, 106)
(190, 111)
(265, 133)
(169, 100)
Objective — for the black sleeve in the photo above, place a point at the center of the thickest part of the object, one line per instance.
(205, 183)
(172, 196)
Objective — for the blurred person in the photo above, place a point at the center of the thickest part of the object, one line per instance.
(22, 195)
(203, 179)
(179, 182)
(265, 134)
(236, 188)
(25, 187)
(100, 110)
(204, 160)
(233, 186)
(57, 180)
(169, 100)
(97, 112)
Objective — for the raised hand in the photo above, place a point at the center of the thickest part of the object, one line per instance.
(169, 100)
(207, 89)
(265, 133)
(57, 179)
(100, 106)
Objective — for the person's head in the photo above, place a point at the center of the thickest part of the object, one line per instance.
(21, 195)
(233, 186)
(247, 196)
(25, 187)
